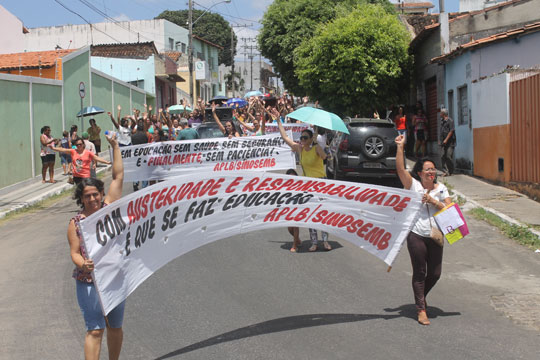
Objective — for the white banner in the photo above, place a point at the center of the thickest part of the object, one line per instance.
(294, 128)
(135, 236)
(164, 160)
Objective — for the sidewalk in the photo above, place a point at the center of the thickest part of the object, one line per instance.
(509, 205)
(29, 192)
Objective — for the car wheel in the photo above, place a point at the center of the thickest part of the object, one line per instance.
(374, 147)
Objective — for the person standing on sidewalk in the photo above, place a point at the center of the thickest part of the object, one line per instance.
(93, 132)
(447, 141)
(90, 195)
(426, 254)
(48, 156)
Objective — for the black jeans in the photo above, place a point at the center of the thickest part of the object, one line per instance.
(426, 260)
(446, 158)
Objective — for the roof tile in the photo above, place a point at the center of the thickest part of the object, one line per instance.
(33, 59)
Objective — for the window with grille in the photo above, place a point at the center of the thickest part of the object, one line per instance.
(463, 106)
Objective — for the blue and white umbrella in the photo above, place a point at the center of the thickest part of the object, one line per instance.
(237, 103)
(253, 93)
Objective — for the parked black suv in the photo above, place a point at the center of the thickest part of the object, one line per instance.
(369, 150)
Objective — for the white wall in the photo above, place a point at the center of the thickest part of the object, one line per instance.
(11, 30)
(77, 36)
(490, 101)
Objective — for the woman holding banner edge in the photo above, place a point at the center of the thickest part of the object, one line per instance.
(312, 158)
(426, 254)
(90, 195)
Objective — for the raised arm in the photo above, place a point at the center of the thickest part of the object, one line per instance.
(112, 118)
(61, 150)
(115, 189)
(247, 126)
(216, 118)
(294, 146)
(404, 175)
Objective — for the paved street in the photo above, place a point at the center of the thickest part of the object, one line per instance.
(248, 297)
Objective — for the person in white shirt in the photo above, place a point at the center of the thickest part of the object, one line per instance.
(124, 128)
(426, 254)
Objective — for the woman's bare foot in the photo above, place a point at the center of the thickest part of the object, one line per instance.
(327, 246)
(313, 248)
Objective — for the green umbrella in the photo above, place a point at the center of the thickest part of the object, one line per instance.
(320, 118)
(178, 109)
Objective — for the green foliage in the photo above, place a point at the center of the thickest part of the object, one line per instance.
(519, 233)
(212, 27)
(287, 23)
(235, 78)
(355, 63)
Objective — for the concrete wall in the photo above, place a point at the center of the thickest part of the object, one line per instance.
(26, 105)
(491, 127)
(490, 102)
(523, 51)
(78, 36)
(128, 70)
(494, 21)
(491, 144)
(29, 103)
(457, 76)
(11, 29)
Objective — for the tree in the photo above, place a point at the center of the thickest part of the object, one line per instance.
(357, 62)
(237, 79)
(212, 27)
(287, 23)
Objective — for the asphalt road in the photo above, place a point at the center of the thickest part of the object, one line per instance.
(248, 297)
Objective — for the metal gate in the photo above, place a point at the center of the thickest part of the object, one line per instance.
(525, 129)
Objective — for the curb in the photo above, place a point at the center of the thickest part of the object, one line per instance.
(44, 196)
(496, 212)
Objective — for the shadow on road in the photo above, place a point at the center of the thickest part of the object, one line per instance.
(409, 311)
(286, 245)
(278, 325)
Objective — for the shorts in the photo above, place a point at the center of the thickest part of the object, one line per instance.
(91, 309)
(65, 159)
(420, 136)
(49, 158)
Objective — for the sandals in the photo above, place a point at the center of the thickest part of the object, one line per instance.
(312, 248)
(327, 246)
(422, 318)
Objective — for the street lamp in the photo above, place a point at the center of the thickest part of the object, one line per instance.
(190, 45)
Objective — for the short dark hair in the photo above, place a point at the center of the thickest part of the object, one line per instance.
(291, 172)
(79, 189)
(419, 166)
(309, 132)
(45, 128)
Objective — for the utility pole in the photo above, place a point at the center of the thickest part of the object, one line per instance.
(232, 54)
(190, 53)
(250, 55)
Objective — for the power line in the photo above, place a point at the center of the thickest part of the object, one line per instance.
(88, 22)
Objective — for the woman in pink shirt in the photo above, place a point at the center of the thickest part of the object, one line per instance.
(81, 160)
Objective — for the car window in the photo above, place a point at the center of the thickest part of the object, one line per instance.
(357, 125)
(206, 132)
